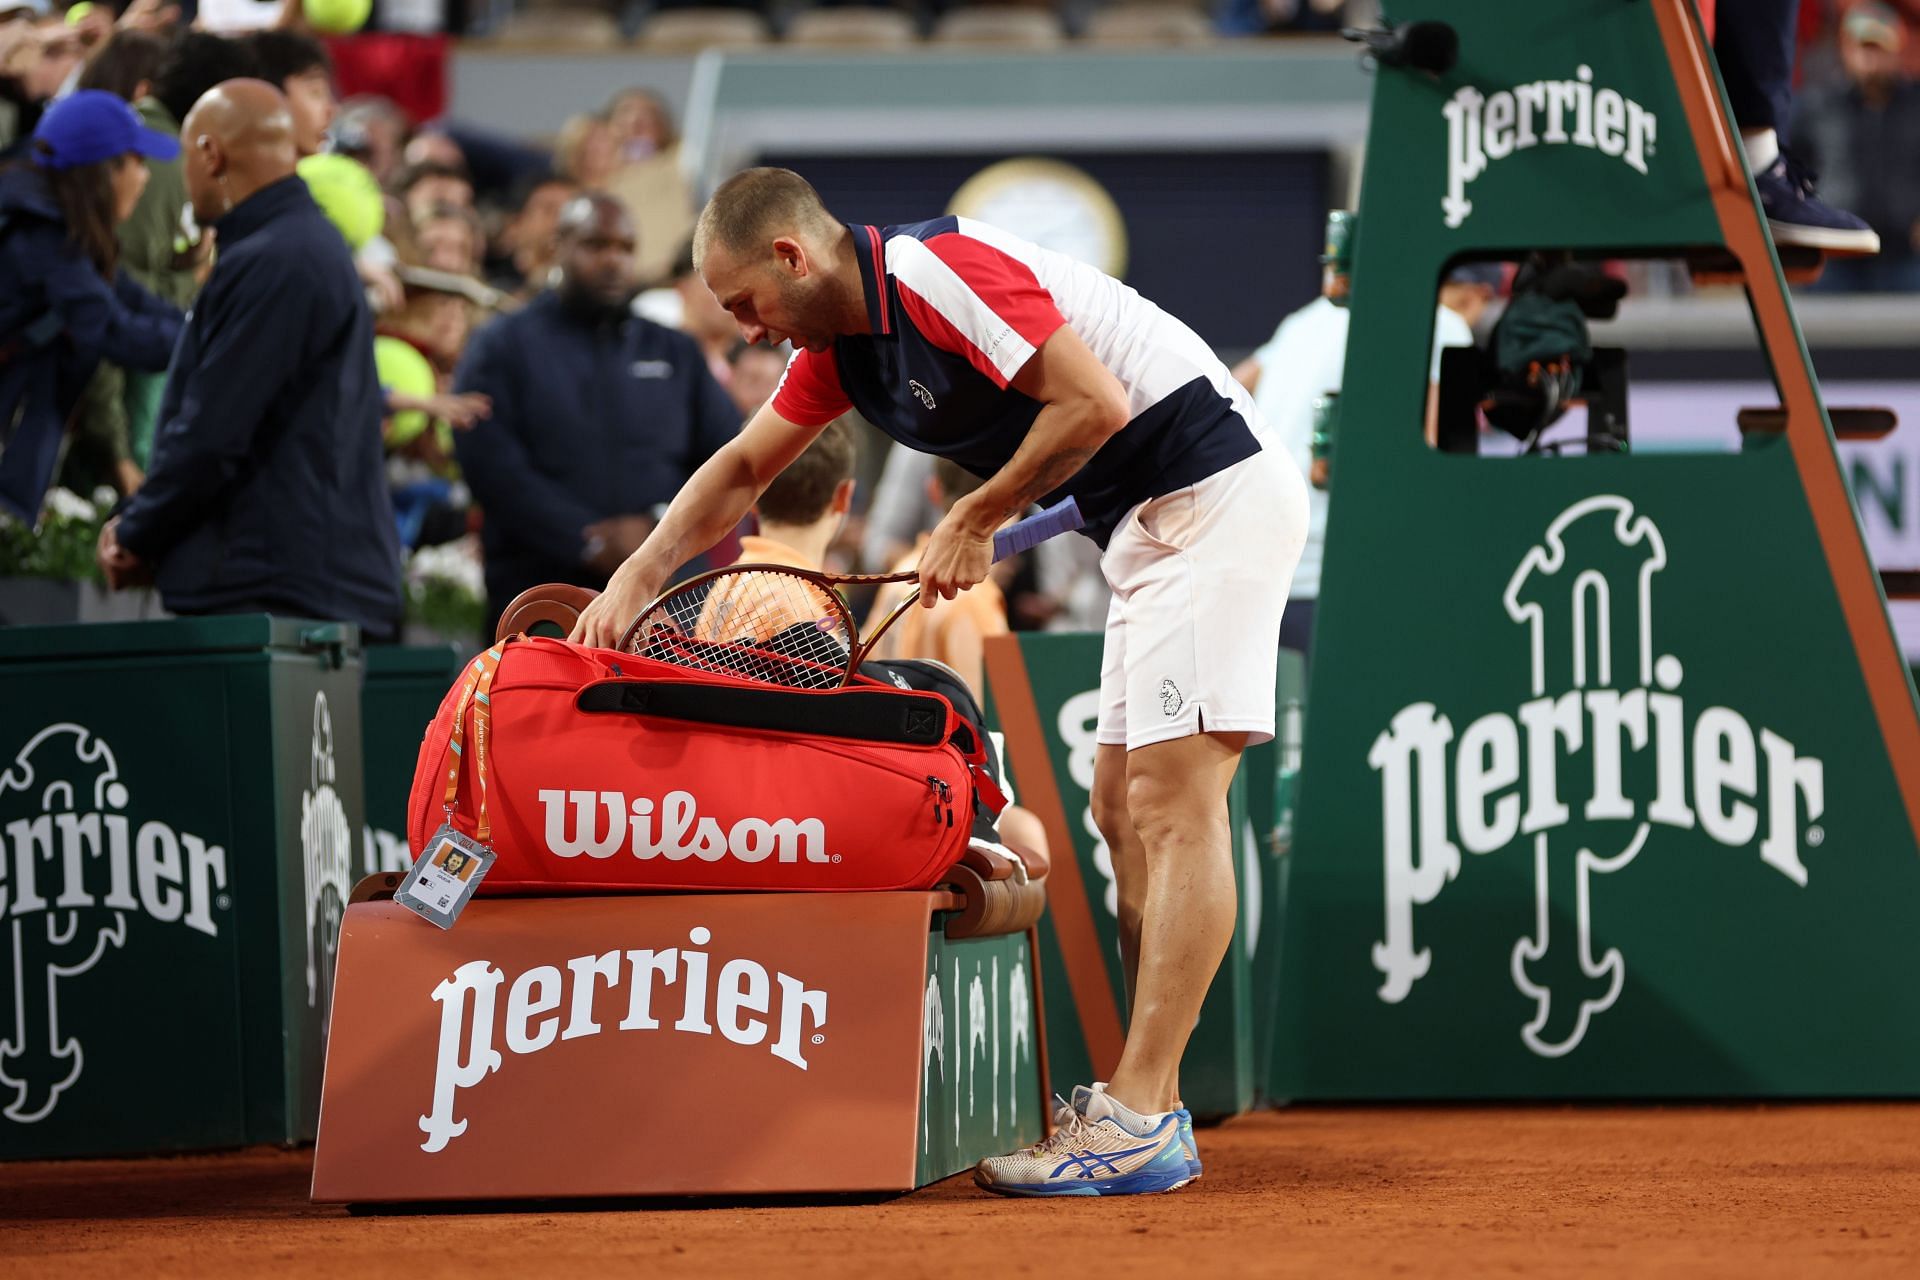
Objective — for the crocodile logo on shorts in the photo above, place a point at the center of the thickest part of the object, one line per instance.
(1170, 699)
(920, 393)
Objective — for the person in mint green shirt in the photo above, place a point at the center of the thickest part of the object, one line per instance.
(162, 80)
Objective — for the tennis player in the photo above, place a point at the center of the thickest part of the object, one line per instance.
(1049, 379)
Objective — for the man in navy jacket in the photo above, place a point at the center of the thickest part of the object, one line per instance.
(598, 418)
(268, 488)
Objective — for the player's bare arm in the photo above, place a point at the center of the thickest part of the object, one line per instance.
(711, 502)
(1082, 407)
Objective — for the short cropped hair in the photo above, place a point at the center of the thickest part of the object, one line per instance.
(127, 59)
(802, 493)
(195, 63)
(751, 204)
(284, 54)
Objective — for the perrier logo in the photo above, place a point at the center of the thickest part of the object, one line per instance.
(1604, 762)
(1484, 129)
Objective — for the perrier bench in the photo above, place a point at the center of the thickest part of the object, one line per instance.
(683, 1044)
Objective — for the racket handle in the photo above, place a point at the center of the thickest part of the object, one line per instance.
(1062, 517)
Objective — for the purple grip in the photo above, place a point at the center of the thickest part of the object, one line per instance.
(1062, 517)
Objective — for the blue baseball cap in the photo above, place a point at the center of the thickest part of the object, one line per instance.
(91, 125)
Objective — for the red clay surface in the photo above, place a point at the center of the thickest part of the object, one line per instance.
(1684, 1191)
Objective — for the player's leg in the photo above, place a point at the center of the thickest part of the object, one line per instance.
(1199, 580)
(1177, 804)
(1206, 572)
(1129, 856)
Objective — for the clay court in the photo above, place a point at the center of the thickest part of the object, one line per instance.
(1817, 1190)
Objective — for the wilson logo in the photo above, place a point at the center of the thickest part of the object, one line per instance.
(1484, 128)
(742, 1001)
(600, 824)
(1605, 751)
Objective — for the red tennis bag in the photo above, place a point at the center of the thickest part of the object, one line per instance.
(594, 770)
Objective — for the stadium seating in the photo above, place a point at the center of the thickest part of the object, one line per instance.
(691, 30)
(1004, 27)
(853, 29)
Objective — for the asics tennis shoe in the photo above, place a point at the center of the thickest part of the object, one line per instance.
(1082, 1092)
(1093, 1153)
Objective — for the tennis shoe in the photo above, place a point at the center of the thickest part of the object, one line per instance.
(1091, 1153)
(1082, 1092)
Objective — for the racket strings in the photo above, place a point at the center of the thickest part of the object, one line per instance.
(766, 625)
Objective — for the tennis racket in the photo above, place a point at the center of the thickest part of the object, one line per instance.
(791, 627)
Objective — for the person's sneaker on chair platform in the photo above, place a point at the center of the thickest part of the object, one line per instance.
(1798, 217)
(1101, 1148)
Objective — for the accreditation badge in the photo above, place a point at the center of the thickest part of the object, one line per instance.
(444, 877)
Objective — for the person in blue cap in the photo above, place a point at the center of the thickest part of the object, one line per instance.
(64, 302)
(268, 489)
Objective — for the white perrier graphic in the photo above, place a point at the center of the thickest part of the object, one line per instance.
(1603, 700)
(1483, 128)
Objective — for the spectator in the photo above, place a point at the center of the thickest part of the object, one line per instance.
(685, 303)
(1863, 135)
(523, 252)
(951, 631)
(64, 302)
(430, 185)
(1304, 361)
(126, 65)
(36, 57)
(799, 515)
(373, 131)
(598, 416)
(640, 124)
(649, 181)
(298, 66)
(267, 490)
(430, 146)
(448, 238)
(195, 62)
(754, 376)
(104, 448)
(585, 152)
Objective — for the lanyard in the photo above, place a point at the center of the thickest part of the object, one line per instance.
(478, 684)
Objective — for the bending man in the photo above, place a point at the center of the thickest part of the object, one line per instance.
(1049, 379)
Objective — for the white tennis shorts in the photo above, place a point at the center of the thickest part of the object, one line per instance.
(1199, 579)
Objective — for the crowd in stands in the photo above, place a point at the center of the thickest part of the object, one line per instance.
(551, 366)
(667, 24)
(458, 234)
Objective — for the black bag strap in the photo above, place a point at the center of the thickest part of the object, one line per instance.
(870, 715)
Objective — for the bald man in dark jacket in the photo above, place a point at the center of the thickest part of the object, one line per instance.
(268, 487)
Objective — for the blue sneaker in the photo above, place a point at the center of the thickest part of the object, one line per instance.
(1797, 217)
(1186, 1140)
(1092, 1154)
(1082, 1092)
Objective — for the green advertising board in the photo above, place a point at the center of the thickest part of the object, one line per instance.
(980, 1086)
(403, 691)
(178, 801)
(1055, 685)
(1609, 785)
(1272, 774)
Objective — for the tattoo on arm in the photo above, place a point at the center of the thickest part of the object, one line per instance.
(1049, 474)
